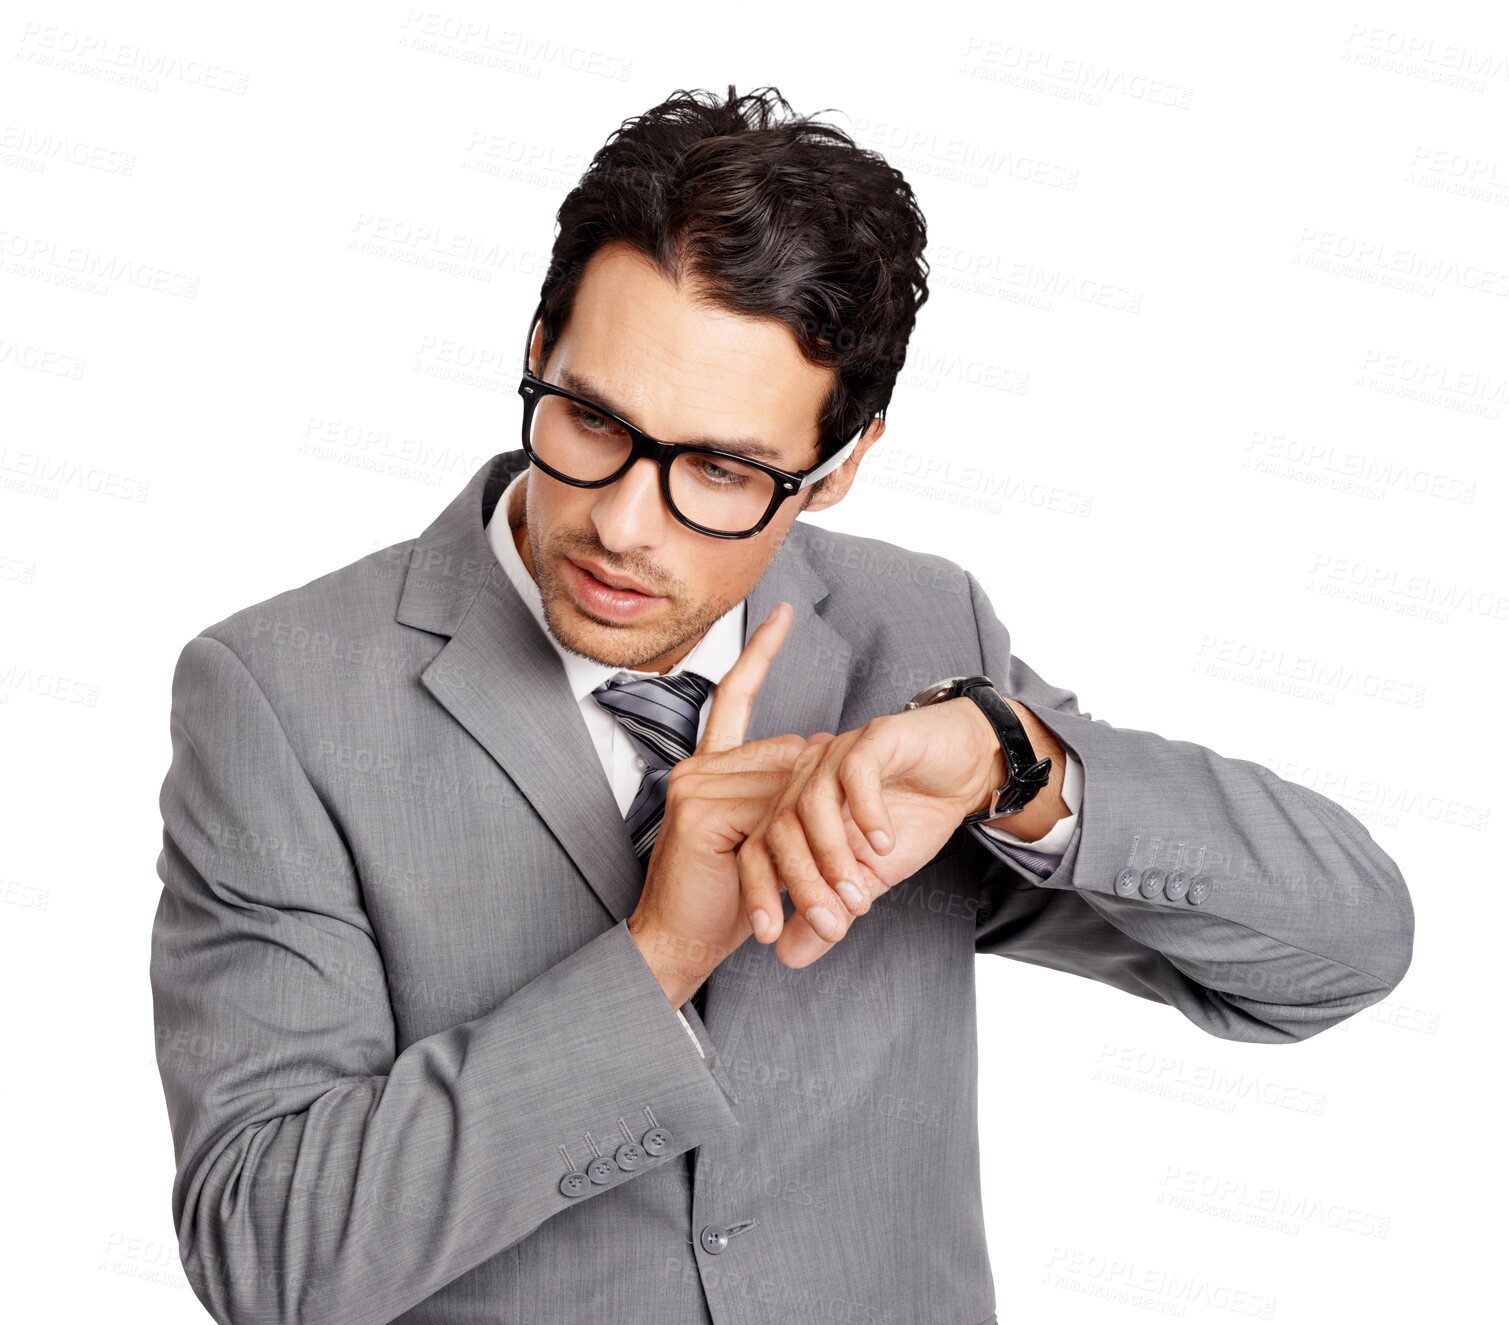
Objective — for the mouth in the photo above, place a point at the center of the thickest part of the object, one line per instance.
(601, 600)
(618, 583)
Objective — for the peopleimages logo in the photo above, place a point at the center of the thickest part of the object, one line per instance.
(1200, 1083)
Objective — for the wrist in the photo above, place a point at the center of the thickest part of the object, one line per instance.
(989, 761)
(995, 772)
(662, 956)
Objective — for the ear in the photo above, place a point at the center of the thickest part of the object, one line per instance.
(833, 489)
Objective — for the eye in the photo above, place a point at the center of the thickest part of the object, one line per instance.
(717, 475)
(587, 421)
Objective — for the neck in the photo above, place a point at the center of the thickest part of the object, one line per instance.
(515, 514)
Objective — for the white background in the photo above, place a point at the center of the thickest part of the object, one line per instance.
(1210, 395)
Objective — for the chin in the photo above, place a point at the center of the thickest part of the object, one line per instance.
(601, 641)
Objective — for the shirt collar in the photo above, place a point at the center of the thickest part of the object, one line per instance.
(712, 656)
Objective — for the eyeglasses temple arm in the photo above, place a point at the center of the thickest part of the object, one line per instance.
(832, 462)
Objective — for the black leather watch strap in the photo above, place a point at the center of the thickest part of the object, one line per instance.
(1026, 774)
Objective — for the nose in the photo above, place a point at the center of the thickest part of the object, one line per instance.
(630, 513)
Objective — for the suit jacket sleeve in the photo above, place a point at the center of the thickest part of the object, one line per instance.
(1304, 920)
(320, 1172)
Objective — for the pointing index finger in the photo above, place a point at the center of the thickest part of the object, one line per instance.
(734, 695)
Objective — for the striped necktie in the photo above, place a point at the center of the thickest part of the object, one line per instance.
(659, 714)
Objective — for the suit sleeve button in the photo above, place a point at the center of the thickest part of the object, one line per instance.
(1199, 888)
(656, 1141)
(1176, 885)
(1127, 881)
(574, 1184)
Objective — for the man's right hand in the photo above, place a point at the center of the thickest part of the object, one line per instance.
(691, 913)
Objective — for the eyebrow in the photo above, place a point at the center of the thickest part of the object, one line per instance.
(749, 446)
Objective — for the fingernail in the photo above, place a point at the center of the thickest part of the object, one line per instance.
(760, 921)
(821, 919)
(879, 839)
(851, 894)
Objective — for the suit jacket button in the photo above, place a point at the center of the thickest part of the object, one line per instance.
(1152, 881)
(1176, 885)
(1199, 888)
(629, 1156)
(574, 1184)
(601, 1169)
(656, 1141)
(1126, 882)
(714, 1239)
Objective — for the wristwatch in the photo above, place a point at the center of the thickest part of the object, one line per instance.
(1026, 775)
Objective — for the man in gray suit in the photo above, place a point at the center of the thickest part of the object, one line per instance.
(491, 974)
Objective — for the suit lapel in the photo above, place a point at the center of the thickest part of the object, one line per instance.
(501, 679)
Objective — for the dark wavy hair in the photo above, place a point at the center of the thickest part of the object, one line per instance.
(765, 216)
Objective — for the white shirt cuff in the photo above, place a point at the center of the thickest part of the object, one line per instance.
(1056, 839)
(691, 1032)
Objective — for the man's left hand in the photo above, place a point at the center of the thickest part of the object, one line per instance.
(908, 777)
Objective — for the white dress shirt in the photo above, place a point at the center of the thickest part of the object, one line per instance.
(712, 656)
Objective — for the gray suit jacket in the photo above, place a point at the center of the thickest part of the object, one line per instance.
(396, 1002)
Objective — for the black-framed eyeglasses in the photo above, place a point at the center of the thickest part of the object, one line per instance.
(718, 493)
